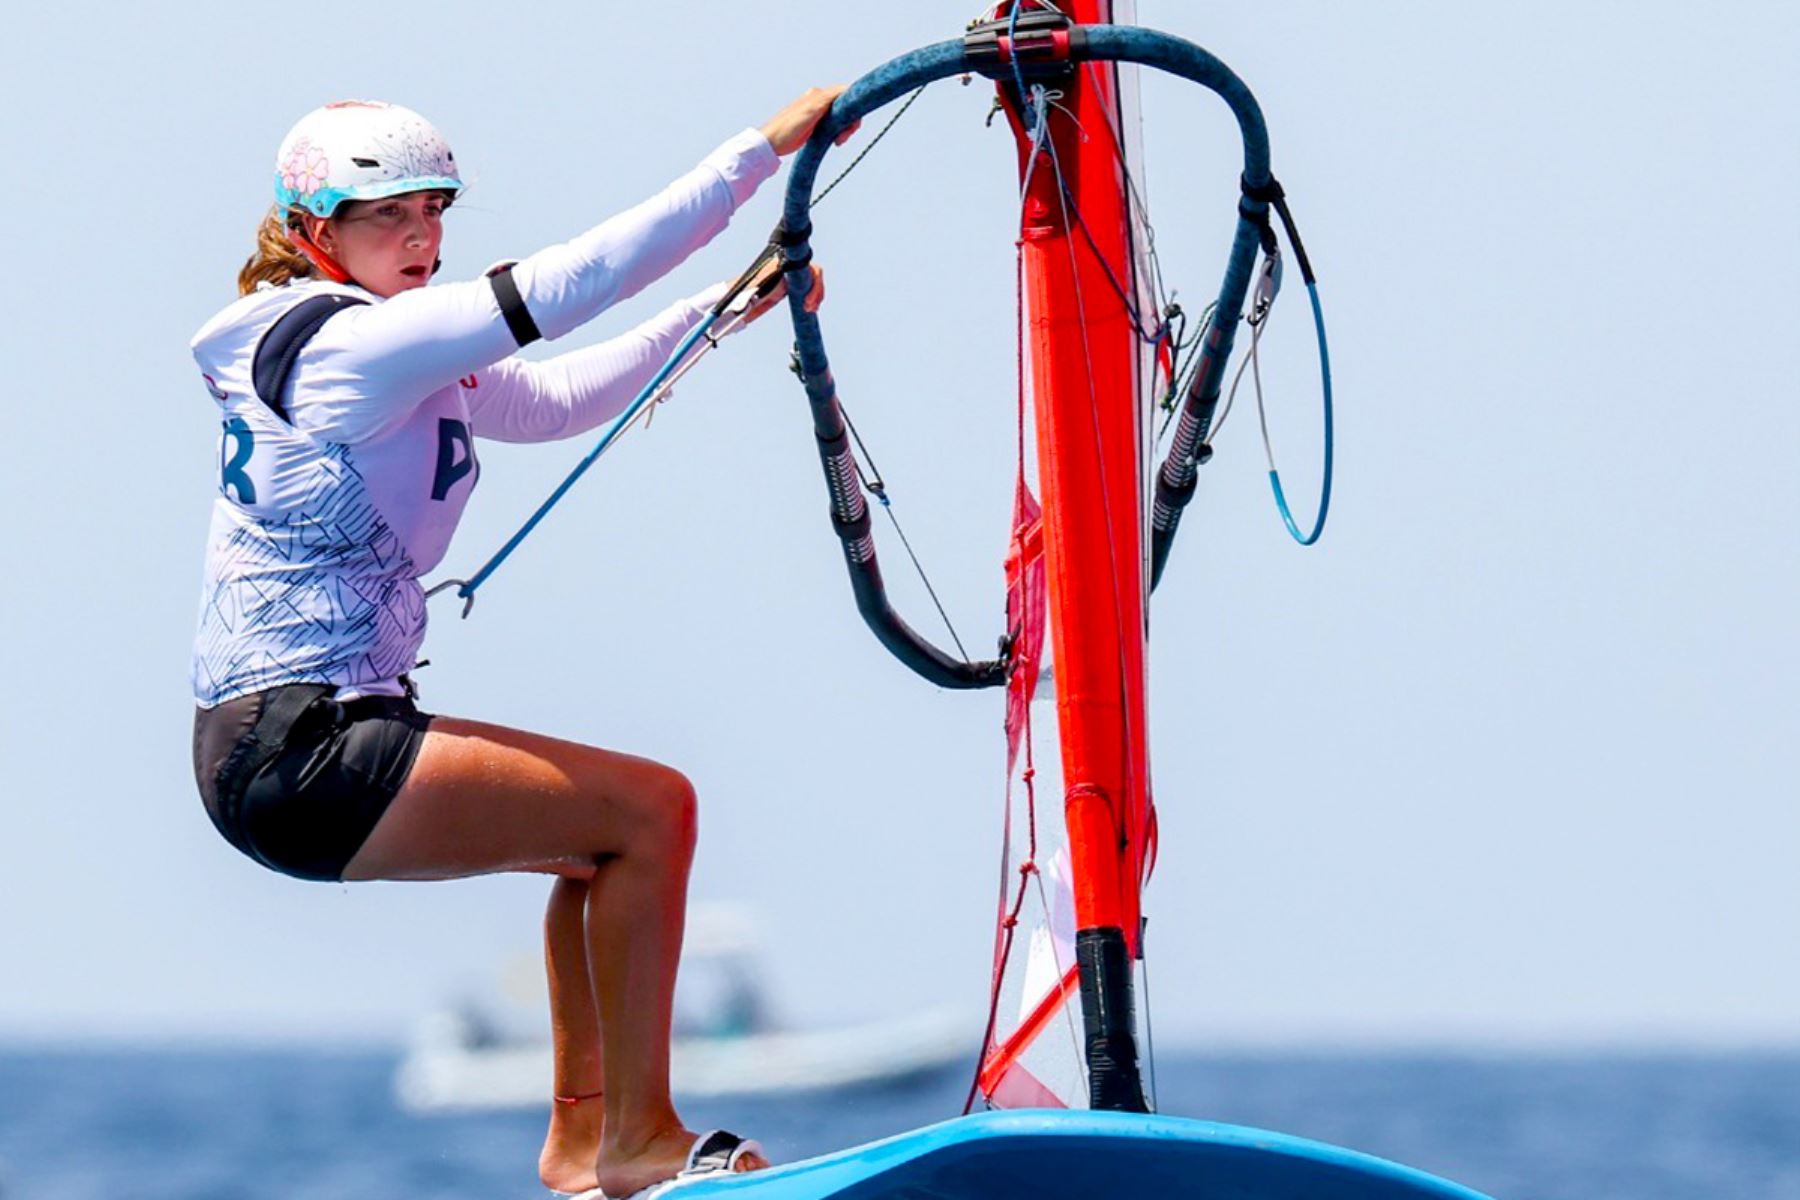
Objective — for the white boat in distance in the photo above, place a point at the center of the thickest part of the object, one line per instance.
(465, 1059)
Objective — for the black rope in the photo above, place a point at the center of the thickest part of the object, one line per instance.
(1181, 342)
(1133, 195)
(1293, 232)
(1272, 194)
(872, 480)
(1182, 378)
(1130, 302)
(1136, 211)
(877, 487)
(826, 191)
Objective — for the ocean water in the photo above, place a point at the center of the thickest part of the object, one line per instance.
(184, 1125)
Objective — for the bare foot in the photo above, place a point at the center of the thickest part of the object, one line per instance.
(572, 1146)
(626, 1169)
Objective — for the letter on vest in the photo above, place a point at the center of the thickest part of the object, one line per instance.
(452, 435)
(235, 449)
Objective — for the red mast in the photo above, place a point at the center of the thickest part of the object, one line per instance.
(1080, 294)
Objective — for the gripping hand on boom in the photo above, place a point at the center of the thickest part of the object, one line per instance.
(788, 129)
(769, 287)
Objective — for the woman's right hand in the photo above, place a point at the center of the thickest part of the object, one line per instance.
(771, 278)
(788, 129)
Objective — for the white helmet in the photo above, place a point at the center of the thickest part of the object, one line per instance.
(360, 150)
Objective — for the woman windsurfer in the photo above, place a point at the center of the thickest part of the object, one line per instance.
(350, 396)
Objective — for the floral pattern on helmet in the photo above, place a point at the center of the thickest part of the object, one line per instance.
(305, 168)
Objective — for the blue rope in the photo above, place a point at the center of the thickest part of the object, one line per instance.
(1012, 35)
(1281, 503)
(466, 590)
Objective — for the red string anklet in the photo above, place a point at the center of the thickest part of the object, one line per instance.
(578, 1099)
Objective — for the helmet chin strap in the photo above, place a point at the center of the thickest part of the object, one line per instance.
(316, 255)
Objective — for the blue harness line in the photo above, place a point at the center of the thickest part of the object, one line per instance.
(525, 330)
(465, 589)
(1287, 517)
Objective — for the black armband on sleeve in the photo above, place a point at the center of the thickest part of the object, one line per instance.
(512, 306)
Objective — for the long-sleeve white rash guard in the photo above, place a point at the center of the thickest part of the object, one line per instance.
(327, 515)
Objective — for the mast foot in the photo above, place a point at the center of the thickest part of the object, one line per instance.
(1114, 1081)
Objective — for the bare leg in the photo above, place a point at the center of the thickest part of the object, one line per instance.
(572, 1146)
(483, 798)
(637, 910)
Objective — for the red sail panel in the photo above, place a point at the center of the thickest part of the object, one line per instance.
(1005, 1057)
(1024, 614)
(1017, 1087)
(1032, 1056)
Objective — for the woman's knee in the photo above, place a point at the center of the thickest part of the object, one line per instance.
(663, 812)
(678, 811)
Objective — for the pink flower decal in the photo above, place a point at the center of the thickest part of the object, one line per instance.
(304, 169)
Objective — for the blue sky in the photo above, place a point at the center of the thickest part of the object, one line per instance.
(1511, 757)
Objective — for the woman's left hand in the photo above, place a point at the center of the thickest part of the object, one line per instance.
(788, 129)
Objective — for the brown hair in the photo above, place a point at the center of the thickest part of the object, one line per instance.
(276, 261)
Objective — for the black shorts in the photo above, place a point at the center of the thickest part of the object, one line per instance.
(297, 780)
